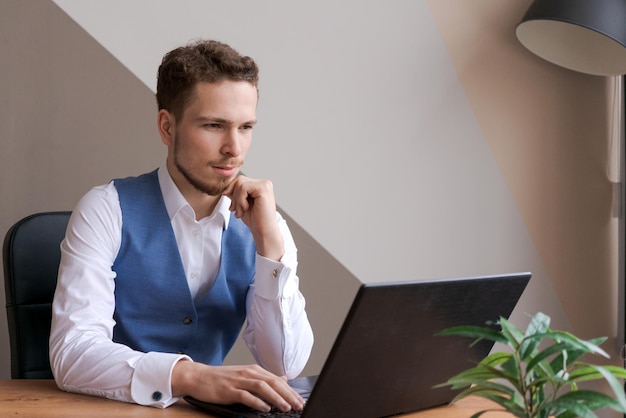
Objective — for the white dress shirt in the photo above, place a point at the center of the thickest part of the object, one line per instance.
(82, 354)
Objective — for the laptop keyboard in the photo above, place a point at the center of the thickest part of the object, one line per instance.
(275, 413)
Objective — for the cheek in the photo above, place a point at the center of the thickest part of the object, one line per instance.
(245, 145)
(200, 144)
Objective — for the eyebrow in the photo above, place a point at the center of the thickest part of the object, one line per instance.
(223, 121)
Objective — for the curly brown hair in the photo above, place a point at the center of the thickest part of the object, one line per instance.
(201, 61)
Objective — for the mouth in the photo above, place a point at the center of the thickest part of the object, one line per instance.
(226, 170)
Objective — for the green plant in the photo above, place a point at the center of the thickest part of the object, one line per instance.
(539, 377)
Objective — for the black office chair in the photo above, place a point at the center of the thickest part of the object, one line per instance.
(31, 256)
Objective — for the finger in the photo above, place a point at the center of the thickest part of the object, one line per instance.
(254, 402)
(263, 391)
(229, 188)
(287, 393)
(276, 391)
(239, 205)
(232, 186)
(239, 199)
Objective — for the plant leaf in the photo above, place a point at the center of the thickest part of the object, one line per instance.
(475, 375)
(514, 335)
(511, 369)
(581, 402)
(495, 359)
(570, 356)
(549, 351)
(539, 324)
(492, 387)
(573, 343)
(472, 331)
(589, 372)
(579, 410)
(567, 414)
(496, 396)
(615, 385)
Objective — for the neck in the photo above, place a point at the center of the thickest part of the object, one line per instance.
(202, 204)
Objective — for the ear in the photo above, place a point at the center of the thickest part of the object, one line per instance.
(166, 125)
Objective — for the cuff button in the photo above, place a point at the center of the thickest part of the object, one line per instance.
(274, 273)
(156, 396)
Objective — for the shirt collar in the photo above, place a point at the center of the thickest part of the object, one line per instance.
(175, 202)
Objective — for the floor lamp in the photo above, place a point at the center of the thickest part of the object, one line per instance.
(588, 36)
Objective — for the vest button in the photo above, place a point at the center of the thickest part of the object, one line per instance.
(187, 320)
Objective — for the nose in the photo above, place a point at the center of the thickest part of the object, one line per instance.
(232, 143)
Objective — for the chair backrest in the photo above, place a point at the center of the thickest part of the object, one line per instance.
(31, 255)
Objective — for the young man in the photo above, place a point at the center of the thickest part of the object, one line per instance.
(159, 272)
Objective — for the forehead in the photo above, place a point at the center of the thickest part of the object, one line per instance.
(232, 100)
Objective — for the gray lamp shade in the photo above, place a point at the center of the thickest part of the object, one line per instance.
(583, 35)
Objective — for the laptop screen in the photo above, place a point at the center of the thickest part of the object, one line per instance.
(386, 358)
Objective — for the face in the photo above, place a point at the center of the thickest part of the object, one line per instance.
(207, 146)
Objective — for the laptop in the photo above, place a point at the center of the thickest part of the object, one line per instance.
(386, 357)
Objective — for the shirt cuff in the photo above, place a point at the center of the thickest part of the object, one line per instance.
(151, 384)
(273, 279)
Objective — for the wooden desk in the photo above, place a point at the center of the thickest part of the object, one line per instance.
(41, 398)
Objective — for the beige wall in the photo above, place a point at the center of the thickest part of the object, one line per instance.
(548, 130)
(413, 139)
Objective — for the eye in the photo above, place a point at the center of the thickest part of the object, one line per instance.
(246, 127)
(212, 126)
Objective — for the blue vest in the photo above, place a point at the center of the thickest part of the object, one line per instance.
(154, 309)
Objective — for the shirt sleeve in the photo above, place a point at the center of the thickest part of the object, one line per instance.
(83, 356)
(278, 333)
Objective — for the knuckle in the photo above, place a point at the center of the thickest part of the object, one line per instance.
(239, 397)
(259, 386)
(250, 371)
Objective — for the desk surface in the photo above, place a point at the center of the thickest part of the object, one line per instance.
(41, 398)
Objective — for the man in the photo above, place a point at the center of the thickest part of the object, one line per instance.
(159, 272)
